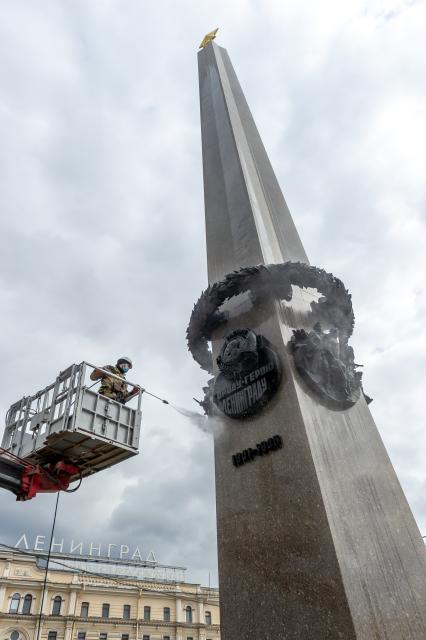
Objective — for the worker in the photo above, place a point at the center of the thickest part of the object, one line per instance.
(111, 387)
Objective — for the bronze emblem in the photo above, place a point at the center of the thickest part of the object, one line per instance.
(250, 374)
(326, 363)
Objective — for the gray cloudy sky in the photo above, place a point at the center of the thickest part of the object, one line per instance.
(102, 234)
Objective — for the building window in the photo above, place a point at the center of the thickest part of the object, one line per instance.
(105, 610)
(208, 617)
(126, 611)
(56, 609)
(166, 637)
(84, 610)
(124, 636)
(14, 635)
(52, 635)
(188, 614)
(14, 603)
(145, 637)
(103, 636)
(147, 615)
(166, 614)
(188, 638)
(81, 635)
(26, 607)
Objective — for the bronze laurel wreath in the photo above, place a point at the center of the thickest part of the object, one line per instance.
(274, 280)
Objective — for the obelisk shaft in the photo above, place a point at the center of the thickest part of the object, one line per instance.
(316, 541)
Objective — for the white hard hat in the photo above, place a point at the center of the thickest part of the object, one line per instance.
(125, 359)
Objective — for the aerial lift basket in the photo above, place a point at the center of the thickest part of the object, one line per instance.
(70, 421)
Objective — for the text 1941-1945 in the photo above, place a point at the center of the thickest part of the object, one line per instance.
(262, 449)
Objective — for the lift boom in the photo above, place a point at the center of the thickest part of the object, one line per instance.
(26, 480)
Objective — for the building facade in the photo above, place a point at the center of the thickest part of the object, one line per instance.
(96, 605)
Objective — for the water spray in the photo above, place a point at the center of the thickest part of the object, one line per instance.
(207, 424)
(194, 415)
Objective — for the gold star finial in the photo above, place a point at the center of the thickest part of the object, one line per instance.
(208, 38)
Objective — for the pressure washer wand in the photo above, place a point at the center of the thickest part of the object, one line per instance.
(154, 396)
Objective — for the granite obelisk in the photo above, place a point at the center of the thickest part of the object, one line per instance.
(315, 541)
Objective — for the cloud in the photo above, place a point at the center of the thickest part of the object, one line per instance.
(102, 228)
